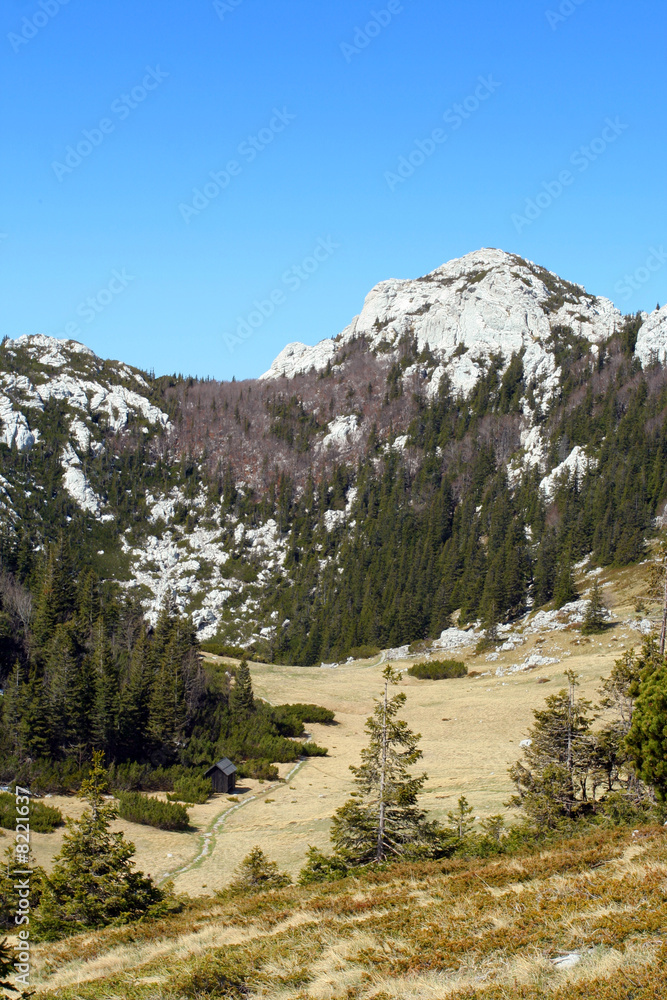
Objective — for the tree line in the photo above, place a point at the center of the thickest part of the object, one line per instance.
(89, 673)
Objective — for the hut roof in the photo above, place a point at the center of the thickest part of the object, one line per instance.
(225, 765)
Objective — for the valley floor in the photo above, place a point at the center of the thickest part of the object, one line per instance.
(471, 733)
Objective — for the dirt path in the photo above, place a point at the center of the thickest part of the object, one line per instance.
(208, 839)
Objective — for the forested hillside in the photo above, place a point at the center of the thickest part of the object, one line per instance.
(454, 452)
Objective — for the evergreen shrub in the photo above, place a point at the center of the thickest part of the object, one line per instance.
(195, 790)
(262, 770)
(313, 750)
(131, 776)
(257, 873)
(219, 648)
(43, 819)
(438, 670)
(138, 808)
(294, 716)
(364, 652)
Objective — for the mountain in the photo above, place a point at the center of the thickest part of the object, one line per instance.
(452, 452)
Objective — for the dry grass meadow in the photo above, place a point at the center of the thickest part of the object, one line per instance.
(471, 729)
(480, 930)
(469, 930)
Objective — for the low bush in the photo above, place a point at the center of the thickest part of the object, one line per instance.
(420, 646)
(438, 670)
(256, 874)
(219, 648)
(42, 819)
(290, 718)
(313, 750)
(364, 652)
(137, 808)
(194, 790)
(135, 777)
(311, 713)
(320, 867)
(41, 776)
(262, 770)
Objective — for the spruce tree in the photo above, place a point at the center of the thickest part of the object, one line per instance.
(241, 699)
(596, 615)
(92, 882)
(460, 820)
(382, 820)
(564, 591)
(646, 740)
(257, 873)
(553, 782)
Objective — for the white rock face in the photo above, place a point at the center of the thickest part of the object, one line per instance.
(97, 390)
(81, 434)
(456, 638)
(651, 343)
(188, 565)
(297, 358)
(483, 304)
(76, 483)
(576, 463)
(533, 446)
(341, 433)
(51, 350)
(333, 518)
(15, 429)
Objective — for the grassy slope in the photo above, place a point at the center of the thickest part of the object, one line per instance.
(468, 754)
(412, 932)
(461, 929)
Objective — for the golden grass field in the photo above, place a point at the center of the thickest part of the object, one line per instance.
(465, 930)
(471, 729)
(461, 929)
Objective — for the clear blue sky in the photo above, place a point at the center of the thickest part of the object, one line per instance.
(347, 116)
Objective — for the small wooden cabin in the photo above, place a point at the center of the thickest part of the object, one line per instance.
(223, 776)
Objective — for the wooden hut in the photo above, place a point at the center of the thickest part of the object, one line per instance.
(223, 776)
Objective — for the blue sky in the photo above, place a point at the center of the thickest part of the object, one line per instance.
(305, 110)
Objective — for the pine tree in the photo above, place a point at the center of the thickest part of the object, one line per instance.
(596, 615)
(241, 699)
(646, 740)
(554, 781)
(257, 873)
(461, 820)
(381, 819)
(92, 882)
(7, 959)
(565, 591)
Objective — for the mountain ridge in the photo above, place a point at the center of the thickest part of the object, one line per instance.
(483, 385)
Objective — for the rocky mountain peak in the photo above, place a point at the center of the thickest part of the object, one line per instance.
(487, 303)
